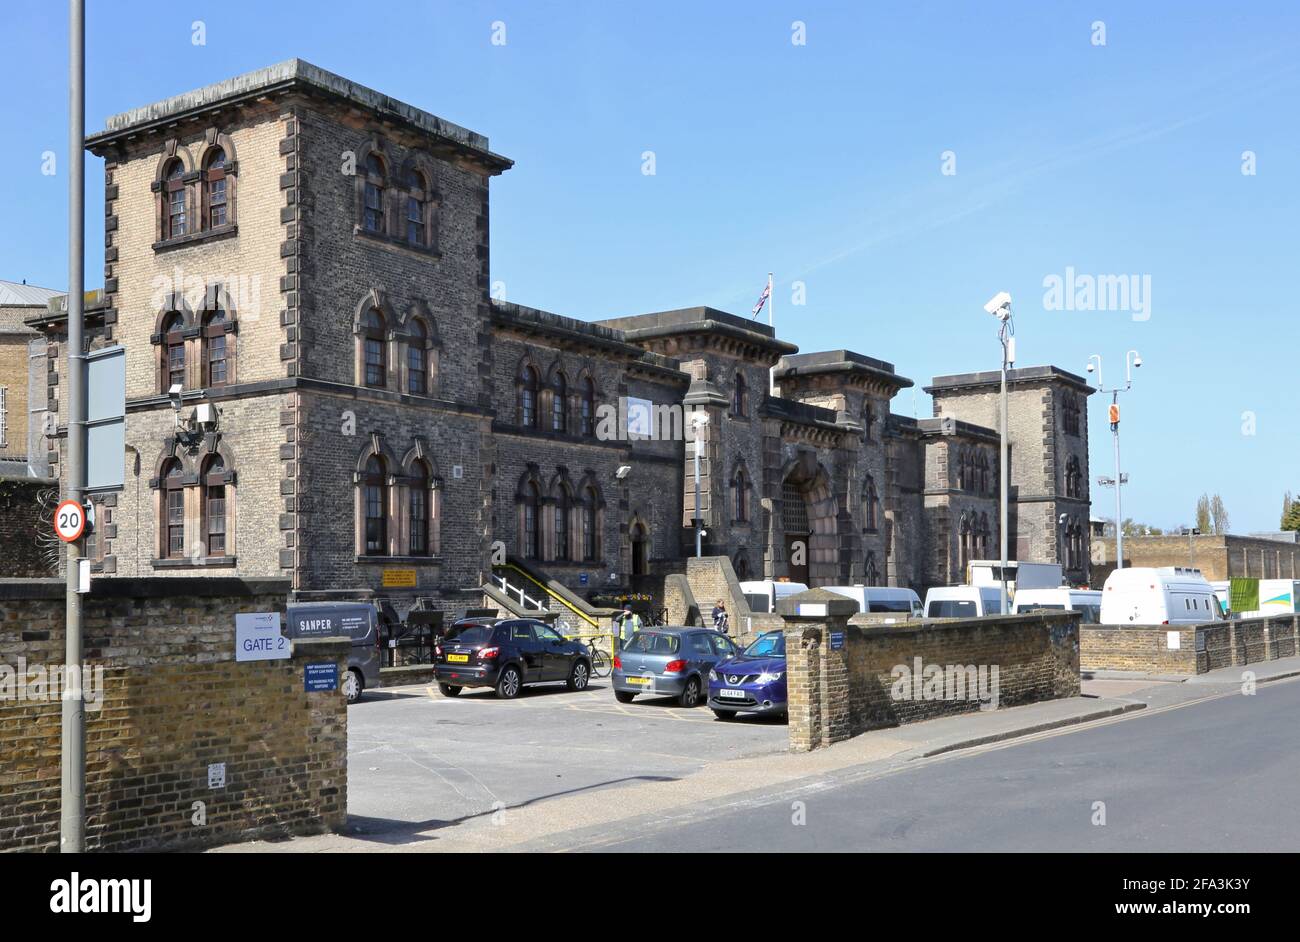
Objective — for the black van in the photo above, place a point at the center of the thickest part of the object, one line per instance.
(357, 620)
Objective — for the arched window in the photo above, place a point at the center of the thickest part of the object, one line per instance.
(417, 359)
(966, 541)
(984, 536)
(419, 510)
(214, 506)
(173, 351)
(372, 210)
(868, 419)
(984, 472)
(175, 211)
(739, 397)
(871, 571)
(740, 496)
(590, 525)
(374, 505)
(215, 205)
(587, 408)
(375, 349)
(870, 505)
(528, 391)
(216, 364)
(532, 535)
(173, 510)
(417, 223)
(560, 531)
(741, 565)
(1070, 417)
(962, 480)
(560, 403)
(1073, 478)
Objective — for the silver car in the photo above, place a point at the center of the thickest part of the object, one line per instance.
(669, 661)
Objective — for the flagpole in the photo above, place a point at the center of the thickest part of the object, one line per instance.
(771, 322)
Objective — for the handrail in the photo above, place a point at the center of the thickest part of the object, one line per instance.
(550, 593)
(524, 598)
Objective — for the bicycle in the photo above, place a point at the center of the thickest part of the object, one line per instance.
(601, 663)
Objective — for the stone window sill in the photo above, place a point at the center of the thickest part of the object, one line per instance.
(201, 562)
(392, 242)
(193, 238)
(402, 560)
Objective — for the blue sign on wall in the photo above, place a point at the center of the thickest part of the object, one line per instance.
(582, 578)
(320, 677)
(837, 640)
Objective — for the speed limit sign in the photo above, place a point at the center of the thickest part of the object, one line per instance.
(69, 520)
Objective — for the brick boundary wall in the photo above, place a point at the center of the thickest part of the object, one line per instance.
(174, 701)
(1201, 648)
(837, 692)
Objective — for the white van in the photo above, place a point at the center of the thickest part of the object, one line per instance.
(763, 595)
(1087, 602)
(882, 599)
(1173, 595)
(963, 601)
(1020, 575)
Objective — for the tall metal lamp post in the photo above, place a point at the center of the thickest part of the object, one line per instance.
(1000, 307)
(699, 420)
(1131, 359)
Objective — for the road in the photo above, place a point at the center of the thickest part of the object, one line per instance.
(1215, 775)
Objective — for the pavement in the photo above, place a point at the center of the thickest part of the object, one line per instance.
(562, 771)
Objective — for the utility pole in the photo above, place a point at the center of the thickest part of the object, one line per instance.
(1131, 359)
(1000, 307)
(699, 421)
(72, 795)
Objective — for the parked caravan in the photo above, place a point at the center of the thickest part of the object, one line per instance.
(1087, 602)
(963, 601)
(763, 595)
(888, 600)
(1173, 595)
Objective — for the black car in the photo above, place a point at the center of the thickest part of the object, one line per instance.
(507, 655)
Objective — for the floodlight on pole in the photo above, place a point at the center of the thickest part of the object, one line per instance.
(1132, 360)
(1000, 307)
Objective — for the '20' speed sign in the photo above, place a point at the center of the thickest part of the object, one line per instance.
(69, 520)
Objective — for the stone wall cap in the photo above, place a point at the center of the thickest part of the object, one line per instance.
(816, 604)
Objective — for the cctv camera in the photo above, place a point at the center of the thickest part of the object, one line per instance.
(1137, 361)
(174, 394)
(1091, 368)
(623, 471)
(999, 305)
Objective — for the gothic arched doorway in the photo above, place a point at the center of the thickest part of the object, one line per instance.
(808, 518)
(640, 536)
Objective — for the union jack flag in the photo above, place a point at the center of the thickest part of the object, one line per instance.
(762, 299)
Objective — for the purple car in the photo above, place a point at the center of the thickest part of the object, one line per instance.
(753, 682)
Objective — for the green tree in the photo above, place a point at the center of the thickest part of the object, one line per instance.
(1291, 519)
(1203, 513)
(1219, 516)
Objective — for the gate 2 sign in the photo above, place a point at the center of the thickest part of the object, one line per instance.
(69, 520)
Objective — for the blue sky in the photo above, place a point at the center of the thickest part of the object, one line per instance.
(823, 163)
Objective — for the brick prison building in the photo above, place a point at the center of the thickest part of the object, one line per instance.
(310, 258)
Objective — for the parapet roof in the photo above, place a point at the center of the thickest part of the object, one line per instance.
(1017, 377)
(700, 320)
(292, 74)
(841, 361)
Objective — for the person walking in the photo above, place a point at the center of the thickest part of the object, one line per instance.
(720, 617)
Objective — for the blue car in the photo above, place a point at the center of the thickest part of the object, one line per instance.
(753, 682)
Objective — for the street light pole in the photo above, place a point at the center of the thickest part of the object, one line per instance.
(1000, 307)
(72, 794)
(1131, 359)
(698, 422)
